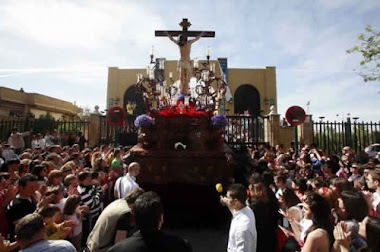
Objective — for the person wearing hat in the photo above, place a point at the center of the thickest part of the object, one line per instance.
(126, 184)
(16, 140)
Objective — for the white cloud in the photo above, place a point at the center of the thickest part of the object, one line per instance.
(89, 24)
(358, 6)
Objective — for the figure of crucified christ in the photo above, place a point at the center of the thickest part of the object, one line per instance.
(184, 65)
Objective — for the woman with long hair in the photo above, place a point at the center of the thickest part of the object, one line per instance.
(353, 208)
(319, 236)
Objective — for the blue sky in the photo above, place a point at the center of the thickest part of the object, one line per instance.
(64, 48)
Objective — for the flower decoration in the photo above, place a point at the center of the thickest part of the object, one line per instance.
(219, 121)
(143, 121)
(180, 97)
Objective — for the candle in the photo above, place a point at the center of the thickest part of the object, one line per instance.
(208, 51)
(205, 76)
(171, 75)
(196, 63)
(152, 51)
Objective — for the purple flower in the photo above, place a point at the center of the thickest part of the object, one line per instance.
(219, 121)
(180, 97)
(143, 121)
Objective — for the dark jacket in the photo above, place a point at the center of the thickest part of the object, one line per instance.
(156, 241)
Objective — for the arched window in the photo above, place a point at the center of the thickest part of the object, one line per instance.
(247, 97)
(132, 96)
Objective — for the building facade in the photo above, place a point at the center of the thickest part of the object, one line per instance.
(15, 103)
(251, 91)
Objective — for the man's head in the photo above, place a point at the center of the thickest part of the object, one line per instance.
(182, 39)
(13, 165)
(236, 195)
(71, 179)
(148, 212)
(30, 228)
(134, 169)
(84, 178)
(280, 181)
(28, 185)
(373, 179)
(132, 196)
(329, 169)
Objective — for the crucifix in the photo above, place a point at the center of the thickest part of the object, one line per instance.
(184, 45)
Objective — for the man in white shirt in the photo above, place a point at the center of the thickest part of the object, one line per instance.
(242, 235)
(16, 140)
(126, 184)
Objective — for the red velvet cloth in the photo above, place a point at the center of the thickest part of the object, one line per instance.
(176, 110)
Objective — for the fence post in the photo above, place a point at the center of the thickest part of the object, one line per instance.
(347, 128)
(94, 130)
(306, 131)
(273, 130)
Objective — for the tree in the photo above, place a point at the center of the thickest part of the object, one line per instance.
(43, 123)
(370, 51)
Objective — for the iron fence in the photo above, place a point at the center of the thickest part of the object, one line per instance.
(333, 136)
(244, 130)
(125, 134)
(42, 125)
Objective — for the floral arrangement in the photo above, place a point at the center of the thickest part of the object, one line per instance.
(219, 121)
(143, 121)
(180, 97)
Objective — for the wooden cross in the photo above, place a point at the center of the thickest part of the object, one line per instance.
(185, 24)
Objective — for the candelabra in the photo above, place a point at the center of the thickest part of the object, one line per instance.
(159, 94)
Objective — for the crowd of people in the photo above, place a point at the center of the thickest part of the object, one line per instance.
(325, 203)
(75, 198)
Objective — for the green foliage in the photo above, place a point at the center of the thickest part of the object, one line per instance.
(69, 127)
(370, 50)
(43, 123)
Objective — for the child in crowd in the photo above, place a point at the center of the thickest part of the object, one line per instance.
(73, 212)
(51, 215)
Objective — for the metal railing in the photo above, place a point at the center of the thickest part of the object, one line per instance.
(333, 136)
(40, 126)
(125, 134)
(244, 130)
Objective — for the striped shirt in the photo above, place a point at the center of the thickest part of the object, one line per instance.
(91, 197)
